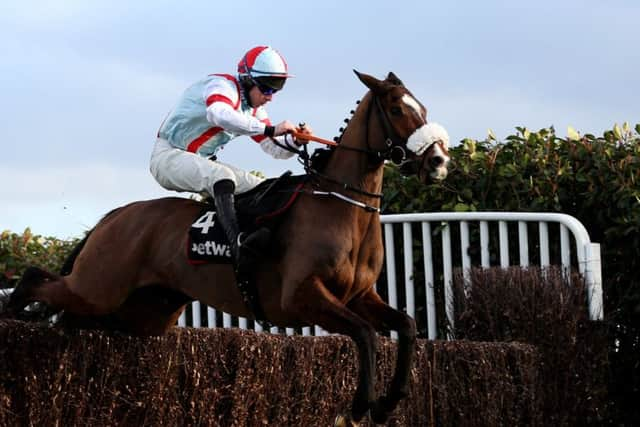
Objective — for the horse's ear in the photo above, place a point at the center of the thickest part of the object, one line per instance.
(376, 86)
(392, 78)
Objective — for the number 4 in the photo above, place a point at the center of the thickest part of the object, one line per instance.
(205, 222)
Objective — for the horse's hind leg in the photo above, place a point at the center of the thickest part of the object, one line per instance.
(38, 285)
(20, 296)
(384, 317)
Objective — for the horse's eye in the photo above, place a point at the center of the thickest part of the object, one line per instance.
(396, 111)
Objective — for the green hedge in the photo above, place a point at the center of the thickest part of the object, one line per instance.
(594, 178)
(19, 251)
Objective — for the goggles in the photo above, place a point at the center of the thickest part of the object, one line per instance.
(269, 85)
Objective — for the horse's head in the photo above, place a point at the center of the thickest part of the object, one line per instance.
(419, 147)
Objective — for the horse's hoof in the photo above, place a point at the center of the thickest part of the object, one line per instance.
(343, 421)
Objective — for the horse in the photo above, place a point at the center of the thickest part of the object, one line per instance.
(319, 268)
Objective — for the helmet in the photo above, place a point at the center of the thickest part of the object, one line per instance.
(264, 65)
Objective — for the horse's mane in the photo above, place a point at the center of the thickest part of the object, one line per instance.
(320, 158)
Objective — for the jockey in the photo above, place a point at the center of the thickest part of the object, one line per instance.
(212, 112)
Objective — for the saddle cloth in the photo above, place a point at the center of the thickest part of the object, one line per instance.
(262, 206)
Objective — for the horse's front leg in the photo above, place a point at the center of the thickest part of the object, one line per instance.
(314, 304)
(371, 307)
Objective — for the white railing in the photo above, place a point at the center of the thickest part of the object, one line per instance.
(587, 254)
(490, 230)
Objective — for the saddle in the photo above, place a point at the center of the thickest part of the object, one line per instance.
(261, 206)
(264, 205)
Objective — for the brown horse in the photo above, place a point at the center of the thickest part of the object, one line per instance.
(320, 267)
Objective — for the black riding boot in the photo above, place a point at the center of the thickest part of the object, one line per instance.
(243, 248)
(226, 213)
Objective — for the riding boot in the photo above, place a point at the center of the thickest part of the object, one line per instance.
(226, 214)
(243, 247)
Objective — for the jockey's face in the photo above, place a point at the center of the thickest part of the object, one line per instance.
(257, 98)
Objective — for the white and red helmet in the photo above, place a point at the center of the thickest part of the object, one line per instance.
(265, 65)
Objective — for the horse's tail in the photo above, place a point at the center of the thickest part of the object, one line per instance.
(67, 266)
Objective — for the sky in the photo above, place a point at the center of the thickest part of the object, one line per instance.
(84, 85)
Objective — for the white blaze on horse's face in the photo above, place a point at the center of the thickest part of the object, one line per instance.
(426, 136)
(411, 102)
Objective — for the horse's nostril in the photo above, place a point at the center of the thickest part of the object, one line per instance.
(436, 161)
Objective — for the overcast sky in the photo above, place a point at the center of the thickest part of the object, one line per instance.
(85, 84)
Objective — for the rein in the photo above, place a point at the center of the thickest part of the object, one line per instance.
(304, 154)
(393, 151)
(314, 172)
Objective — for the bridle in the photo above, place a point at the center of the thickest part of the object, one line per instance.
(393, 150)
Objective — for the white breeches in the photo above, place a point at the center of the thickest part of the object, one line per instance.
(180, 170)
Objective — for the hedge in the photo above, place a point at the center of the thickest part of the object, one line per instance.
(19, 251)
(229, 377)
(545, 308)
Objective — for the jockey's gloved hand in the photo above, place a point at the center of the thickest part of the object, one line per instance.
(303, 128)
(283, 128)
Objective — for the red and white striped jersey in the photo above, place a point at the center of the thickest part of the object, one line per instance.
(210, 113)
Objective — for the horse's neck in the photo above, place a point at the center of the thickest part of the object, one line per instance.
(354, 167)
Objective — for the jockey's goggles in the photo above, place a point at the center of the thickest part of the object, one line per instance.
(269, 85)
